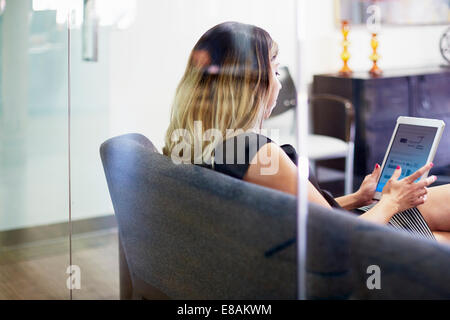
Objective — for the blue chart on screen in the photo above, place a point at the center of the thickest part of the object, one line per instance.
(410, 150)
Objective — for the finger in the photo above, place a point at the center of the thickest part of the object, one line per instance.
(426, 182)
(422, 192)
(419, 201)
(397, 173)
(421, 197)
(377, 171)
(416, 175)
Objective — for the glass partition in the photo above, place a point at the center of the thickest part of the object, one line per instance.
(94, 232)
(127, 58)
(113, 67)
(34, 247)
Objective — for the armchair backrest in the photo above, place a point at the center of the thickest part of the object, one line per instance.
(192, 233)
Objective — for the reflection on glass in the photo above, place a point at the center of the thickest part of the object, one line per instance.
(2, 6)
(90, 31)
(94, 239)
(62, 8)
(33, 153)
(129, 89)
(142, 52)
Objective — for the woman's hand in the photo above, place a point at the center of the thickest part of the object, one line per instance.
(406, 193)
(367, 189)
(400, 195)
(364, 195)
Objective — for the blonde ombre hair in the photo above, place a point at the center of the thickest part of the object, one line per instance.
(225, 87)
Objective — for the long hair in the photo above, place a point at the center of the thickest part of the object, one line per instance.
(225, 87)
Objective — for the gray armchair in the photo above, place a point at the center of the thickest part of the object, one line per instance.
(191, 233)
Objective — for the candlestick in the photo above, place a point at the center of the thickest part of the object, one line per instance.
(375, 71)
(345, 55)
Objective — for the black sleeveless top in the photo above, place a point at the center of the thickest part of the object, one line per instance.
(236, 164)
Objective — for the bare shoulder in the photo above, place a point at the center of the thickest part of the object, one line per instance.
(271, 167)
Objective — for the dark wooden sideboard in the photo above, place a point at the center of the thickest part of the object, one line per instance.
(378, 102)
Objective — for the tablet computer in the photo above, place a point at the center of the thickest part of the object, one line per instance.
(413, 144)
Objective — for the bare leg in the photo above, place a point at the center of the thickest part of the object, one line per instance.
(436, 211)
(442, 236)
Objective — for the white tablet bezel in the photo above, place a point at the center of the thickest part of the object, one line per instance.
(423, 122)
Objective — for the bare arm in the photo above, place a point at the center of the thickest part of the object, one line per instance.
(272, 168)
(350, 201)
(364, 195)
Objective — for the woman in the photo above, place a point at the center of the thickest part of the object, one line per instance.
(229, 88)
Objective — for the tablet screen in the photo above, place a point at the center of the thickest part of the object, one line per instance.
(410, 150)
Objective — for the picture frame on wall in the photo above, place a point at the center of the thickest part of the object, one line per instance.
(395, 12)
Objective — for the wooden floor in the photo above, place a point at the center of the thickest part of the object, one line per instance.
(36, 270)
